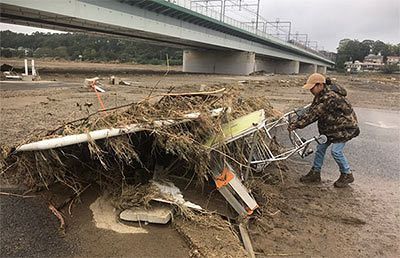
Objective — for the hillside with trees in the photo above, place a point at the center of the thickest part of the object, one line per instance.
(76, 46)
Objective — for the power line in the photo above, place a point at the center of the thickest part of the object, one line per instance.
(257, 23)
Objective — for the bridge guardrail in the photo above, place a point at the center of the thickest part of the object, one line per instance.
(196, 7)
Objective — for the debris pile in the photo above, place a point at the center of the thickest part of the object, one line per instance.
(137, 152)
(94, 84)
(9, 73)
(171, 132)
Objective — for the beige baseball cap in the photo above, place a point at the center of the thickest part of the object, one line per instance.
(314, 79)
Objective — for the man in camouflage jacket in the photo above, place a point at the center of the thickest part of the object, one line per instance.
(336, 119)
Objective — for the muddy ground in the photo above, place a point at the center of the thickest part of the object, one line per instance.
(299, 220)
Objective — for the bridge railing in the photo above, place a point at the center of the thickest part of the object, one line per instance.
(209, 12)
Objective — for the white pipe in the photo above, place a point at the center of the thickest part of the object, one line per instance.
(33, 68)
(101, 134)
(99, 89)
(77, 138)
(26, 67)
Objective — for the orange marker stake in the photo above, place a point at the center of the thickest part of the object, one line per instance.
(98, 96)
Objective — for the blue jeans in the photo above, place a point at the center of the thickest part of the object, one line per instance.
(337, 154)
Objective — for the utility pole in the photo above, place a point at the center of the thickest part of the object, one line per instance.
(223, 2)
(313, 45)
(284, 26)
(258, 14)
(296, 38)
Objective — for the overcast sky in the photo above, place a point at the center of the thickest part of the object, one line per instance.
(326, 21)
(329, 21)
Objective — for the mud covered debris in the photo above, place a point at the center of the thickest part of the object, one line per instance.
(293, 219)
(171, 143)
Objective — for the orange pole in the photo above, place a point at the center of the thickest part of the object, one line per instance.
(98, 96)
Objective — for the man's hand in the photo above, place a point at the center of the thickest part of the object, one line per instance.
(291, 127)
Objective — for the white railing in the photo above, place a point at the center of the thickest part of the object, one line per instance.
(209, 12)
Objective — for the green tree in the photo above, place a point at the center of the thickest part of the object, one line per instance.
(390, 68)
(92, 48)
(394, 50)
(6, 52)
(61, 52)
(350, 50)
(368, 43)
(380, 47)
(43, 52)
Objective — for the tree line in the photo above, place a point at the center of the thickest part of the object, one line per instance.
(77, 46)
(352, 50)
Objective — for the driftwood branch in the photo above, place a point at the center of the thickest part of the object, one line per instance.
(58, 215)
(17, 195)
(246, 239)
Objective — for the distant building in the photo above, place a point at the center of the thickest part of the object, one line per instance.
(25, 50)
(376, 59)
(393, 60)
(358, 66)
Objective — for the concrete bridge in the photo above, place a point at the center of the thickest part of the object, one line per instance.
(210, 45)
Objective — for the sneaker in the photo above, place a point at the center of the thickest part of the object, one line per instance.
(344, 180)
(312, 177)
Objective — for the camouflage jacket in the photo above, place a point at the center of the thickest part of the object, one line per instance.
(336, 118)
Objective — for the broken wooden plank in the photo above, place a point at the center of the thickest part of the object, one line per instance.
(234, 191)
(246, 239)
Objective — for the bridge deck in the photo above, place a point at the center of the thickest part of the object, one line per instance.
(175, 11)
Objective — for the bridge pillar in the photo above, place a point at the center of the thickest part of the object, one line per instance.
(221, 62)
(271, 65)
(321, 69)
(308, 68)
(287, 67)
(265, 64)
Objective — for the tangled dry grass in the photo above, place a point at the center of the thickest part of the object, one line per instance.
(122, 164)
